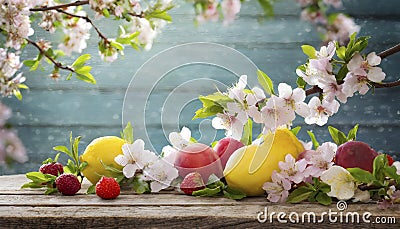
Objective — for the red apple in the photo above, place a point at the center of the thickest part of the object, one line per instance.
(199, 158)
(355, 154)
(225, 148)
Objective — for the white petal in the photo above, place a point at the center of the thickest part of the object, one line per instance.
(376, 74)
(242, 82)
(255, 114)
(121, 160)
(217, 123)
(355, 62)
(175, 139)
(299, 95)
(302, 109)
(259, 93)
(373, 59)
(129, 170)
(285, 90)
(186, 133)
(137, 146)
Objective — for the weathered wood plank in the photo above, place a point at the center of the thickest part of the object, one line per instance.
(26, 210)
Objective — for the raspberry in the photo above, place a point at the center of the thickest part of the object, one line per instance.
(54, 169)
(192, 182)
(107, 188)
(68, 184)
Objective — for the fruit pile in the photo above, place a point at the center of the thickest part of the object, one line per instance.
(277, 165)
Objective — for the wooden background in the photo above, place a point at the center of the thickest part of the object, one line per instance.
(50, 110)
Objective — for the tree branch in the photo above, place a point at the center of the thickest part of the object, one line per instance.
(384, 54)
(61, 6)
(44, 53)
(86, 18)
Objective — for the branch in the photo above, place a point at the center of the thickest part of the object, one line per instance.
(86, 18)
(44, 53)
(384, 54)
(77, 3)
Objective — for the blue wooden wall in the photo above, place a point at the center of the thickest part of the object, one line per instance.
(50, 110)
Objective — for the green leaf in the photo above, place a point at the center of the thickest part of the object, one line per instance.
(247, 133)
(338, 136)
(309, 51)
(29, 63)
(352, 135)
(84, 70)
(91, 189)
(391, 172)
(140, 186)
(378, 167)
(301, 83)
(80, 61)
(39, 177)
(299, 194)
(233, 193)
(160, 14)
(325, 188)
(17, 94)
(127, 133)
(63, 149)
(313, 139)
(110, 168)
(341, 52)
(32, 185)
(117, 45)
(22, 86)
(83, 165)
(361, 175)
(35, 66)
(215, 182)
(342, 72)
(268, 7)
(208, 111)
(50, 191)
(296, 130)
(71, 167)
(265, 82)
(105, 12)
(87, 77)
(75, 151)
(209, 192)
(323, 198)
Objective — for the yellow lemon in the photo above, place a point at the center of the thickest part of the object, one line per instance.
(250, 167)
(103, 149)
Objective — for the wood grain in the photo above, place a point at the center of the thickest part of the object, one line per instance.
(31, 209)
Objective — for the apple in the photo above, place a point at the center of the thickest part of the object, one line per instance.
(355, 154)
(225, 148)
(200, 158)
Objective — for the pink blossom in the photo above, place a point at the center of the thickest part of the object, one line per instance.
(320, 160)
(367, 67)
(334, 3)
(293, 170)
(278, 189)
(210, 14)
(332, 89)
(229, 9)
(342, 27)
(321, 110)
(275, 113)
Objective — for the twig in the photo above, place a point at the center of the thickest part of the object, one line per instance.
(61, 6)
(86, 18)
(43, 52)
(384, 54)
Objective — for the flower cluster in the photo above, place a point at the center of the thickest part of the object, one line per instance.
(146, 166)
(11, 147)
(333, 26)
(213, 10)
(311, 163)
(141, 22)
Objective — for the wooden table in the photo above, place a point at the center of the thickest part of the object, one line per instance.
(31, 209)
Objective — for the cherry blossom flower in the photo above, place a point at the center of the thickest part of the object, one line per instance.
(147, 32)
(294, 99)
(210, 14)
(322, 62)
(334, 3)
(313, 74)
(367, 67)
(342, 27)
(11, 146)
(320, 111)
(278, 189)
(361, 196)
(293, 170)
(178, 142)
(237, 92)
(229, 10)
(135, 157)
(228, 122)
(320, 160)
(342, 183)
(251, 103)
(275, 114)
(332, 89)
(161, 173)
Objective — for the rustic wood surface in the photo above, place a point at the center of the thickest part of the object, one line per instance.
(29, 208)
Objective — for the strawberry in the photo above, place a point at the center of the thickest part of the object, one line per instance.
(192, 182)
(107, 188)
(68, 184)
(54, 168)
(390, 159)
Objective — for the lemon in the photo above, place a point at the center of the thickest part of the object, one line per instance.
(103, 149)
(250, 167)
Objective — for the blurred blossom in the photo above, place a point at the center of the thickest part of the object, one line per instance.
(341, 29)
(230, 8)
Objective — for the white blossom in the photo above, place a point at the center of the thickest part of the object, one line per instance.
(230, 8)
(161, 173)
(342, 183)
(320, 111)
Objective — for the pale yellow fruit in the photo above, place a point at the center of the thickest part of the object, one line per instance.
(103, 149)
(250, 167)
